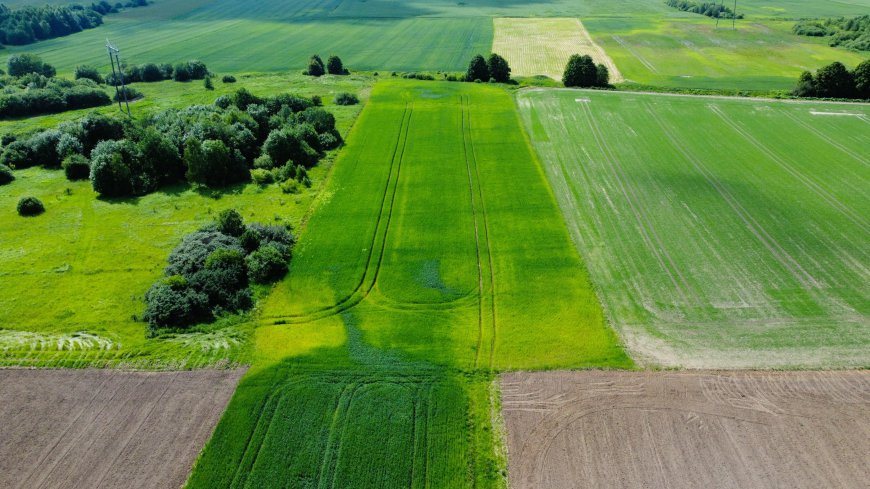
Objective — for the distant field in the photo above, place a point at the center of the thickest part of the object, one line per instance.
(719, 232)
(649, 42)
(717, 430)
(543, 46)
(440, 237)
(106, 429)
(74, 277)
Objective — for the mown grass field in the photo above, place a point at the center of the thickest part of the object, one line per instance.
(543, 46)
(74, 278)
(650, 43)
(719, 232)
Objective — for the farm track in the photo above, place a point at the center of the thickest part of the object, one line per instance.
(706, 429)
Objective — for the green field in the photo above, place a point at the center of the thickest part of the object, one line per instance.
(651, 43)
(74, 277)
(719, 232)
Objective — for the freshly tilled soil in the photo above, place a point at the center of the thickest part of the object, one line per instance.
(688, 430)
(106, 428)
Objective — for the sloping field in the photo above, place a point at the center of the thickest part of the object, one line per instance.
(687, 430)
(106, 429)
(440, 237)
(543, 46)
(719, 232)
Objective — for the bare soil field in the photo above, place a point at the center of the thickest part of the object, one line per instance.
(105, 428)
(687, 430)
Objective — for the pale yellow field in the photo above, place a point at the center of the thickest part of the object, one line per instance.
(543, 46)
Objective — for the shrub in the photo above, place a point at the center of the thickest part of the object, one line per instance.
(263, 162)
(223, 102)
(6, 175)
(69, 145)
(286, 145)
(230, 222)
(228, 79)
(266, 264)
(110, 175)
(44, 148)
(345, 98)
(172, 302)
(290, 186)
(189, 257)
(207, 83)
(315, 66)
(210, 163)
(22, 64)
(30, 206)
(334, 66)
(17, 155)
(88, 73)
(261, 176)
(131, 93)
(76, 167)
(223, 276)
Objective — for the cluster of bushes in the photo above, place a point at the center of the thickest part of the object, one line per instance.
(850, 33)
(836, 81)
(333, 66)
(581, 71)
(152, 72)
(212, 145)
(210, 272)
(30, 24)
(40, 95)
(710, 9)
(345, 98)
(493, 69)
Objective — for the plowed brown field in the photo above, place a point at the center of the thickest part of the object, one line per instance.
(106, 429)
(688, 430)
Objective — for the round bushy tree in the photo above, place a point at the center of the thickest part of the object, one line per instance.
(862, 79)
(190, 256)
(6, 175)
(22, 64)
(110, 172)
(499, 70)
(315, 66)
(334, 66)
(17, 155)
(265, 265)
(835, 81)
(230, 222)
(580, 72)
(477, 69)
(88, 73)
(30, 206)
(602, 76)
(76, 167)
(225, 274)
(172, 302)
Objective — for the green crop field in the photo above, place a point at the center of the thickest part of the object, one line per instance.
(74, 278)
(650, 43)
(719, 232)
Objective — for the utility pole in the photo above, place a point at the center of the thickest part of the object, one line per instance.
(734, 17)
(115, 58)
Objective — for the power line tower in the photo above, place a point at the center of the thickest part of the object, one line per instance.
(734, 17)
(115, 59)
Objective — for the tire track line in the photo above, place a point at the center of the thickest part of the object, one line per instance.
(361, 291)
(648, 236)
(339, 422)
(779, 253)
(808, 183)
(825, 138)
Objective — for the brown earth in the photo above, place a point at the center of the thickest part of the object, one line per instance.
(105, 428)
(752, 430)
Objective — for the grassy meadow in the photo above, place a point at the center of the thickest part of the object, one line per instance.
(87, 262)
(719, 232)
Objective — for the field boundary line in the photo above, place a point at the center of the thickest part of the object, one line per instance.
(617, 171)
(779, 253)
(808, 183)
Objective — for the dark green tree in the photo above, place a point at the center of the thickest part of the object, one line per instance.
(230, 222)
(22, 64)
(334, 66)
(315, 66)
(602, 77)
(499, 70)
(862, 79)
(835, 81)
(580, 72)
(477, 69)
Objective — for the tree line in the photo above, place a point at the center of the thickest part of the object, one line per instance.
(710, 9)
(30, 24)
(210, 145)
(836, 81)
(849, 33)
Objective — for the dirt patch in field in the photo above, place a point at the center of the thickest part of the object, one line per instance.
(688, 430)
(106, 429)
(542, 46)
